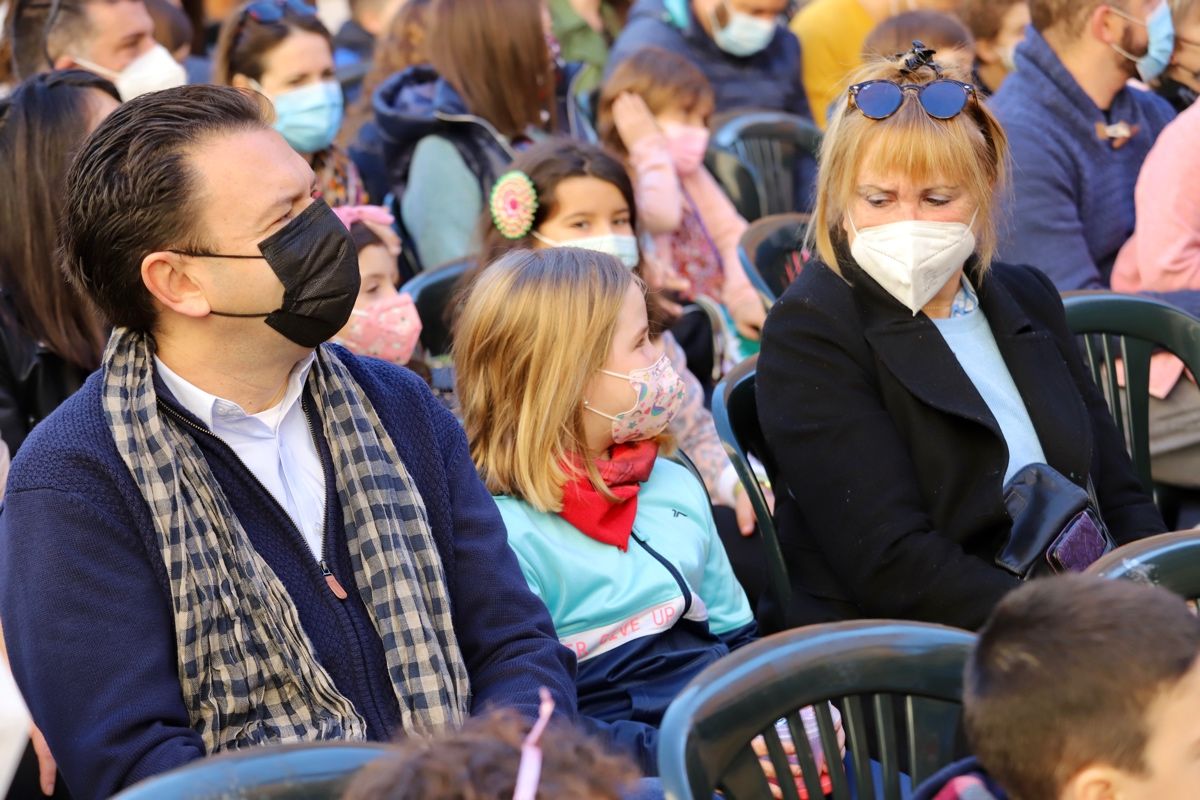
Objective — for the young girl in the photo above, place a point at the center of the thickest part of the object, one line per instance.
(280, 48)
(566, 403)
(384, 322)
(563, 192)
(653, 110)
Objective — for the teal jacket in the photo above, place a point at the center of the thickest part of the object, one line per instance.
(641, 622)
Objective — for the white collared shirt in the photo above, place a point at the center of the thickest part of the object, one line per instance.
(276, 445)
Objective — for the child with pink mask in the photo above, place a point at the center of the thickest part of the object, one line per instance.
(653, 111)
(384, 323)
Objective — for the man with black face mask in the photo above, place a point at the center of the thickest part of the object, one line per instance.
(1079, 133)
(235, 534)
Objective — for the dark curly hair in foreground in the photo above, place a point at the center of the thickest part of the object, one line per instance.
(479, 762)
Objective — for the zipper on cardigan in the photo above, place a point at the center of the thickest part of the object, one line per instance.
(331, 581)
(683, 587)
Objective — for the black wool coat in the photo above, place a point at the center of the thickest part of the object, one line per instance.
(891, 466)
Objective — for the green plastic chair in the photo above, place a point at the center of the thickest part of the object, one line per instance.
(317, 771)
(1170, 560)
(432, 292)
(770, 251)
(771, 144)
(737, 179)
(898, 686)
(736, 417)
(1131, 328)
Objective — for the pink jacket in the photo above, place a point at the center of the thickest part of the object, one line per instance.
(1163, 255)
(660, 198)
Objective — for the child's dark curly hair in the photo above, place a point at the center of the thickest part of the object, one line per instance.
(479, 762)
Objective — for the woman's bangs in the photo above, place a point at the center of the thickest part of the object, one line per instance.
(912, 143)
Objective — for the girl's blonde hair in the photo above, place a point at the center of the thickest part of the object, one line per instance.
(971, 149)
(535, 328)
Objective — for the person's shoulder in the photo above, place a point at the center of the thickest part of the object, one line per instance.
(71, 444)
(671, 479)
(650, 24)
(71, 457)
(1028, 285)
(818, 289)
(397, 393)
(1018, 99)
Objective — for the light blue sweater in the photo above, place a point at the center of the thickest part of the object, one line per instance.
(970, 339)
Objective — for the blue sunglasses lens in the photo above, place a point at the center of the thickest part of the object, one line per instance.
(943, 99)
(879, 100)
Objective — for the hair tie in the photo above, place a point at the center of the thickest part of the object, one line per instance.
(513, 203)
(920, 56)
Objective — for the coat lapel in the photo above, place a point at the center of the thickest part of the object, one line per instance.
(913, 350)
(1044, 380)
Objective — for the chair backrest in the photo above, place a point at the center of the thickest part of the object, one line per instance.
(738, 180)
(318, 771)
(735, 414)
(774, 144)
(898, 686)
(1170, 560)
(771, 252)
(1126, 328)
(432, 292)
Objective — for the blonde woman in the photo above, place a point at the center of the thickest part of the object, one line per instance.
(909, 387)
(565, 402)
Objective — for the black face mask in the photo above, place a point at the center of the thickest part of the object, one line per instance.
(316, 261)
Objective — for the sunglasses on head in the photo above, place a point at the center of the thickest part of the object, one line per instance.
(942, 99)
(270, 11)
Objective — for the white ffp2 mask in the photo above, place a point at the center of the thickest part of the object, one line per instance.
(913, 259)
(152, 71)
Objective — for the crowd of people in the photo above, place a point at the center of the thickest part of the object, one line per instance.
(245, 505)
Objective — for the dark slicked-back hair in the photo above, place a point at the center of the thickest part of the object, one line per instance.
(131, 191)
(1063, 675)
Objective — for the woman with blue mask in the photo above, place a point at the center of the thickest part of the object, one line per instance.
(1177, 55)
(281, 49)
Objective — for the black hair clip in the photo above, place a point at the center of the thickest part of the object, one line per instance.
(920, 56)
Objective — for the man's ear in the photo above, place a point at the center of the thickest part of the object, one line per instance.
(1097, 782)
(65, 62)
(172, 280)
(1104, 25)
(240, 81)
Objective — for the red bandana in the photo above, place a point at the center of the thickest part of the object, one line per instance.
(628, 466)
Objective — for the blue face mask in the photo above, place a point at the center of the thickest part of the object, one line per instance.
(309, 117)
(1161, 30)
(744, 35)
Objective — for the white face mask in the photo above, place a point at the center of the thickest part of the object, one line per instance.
(912, 259)
(622, 248)
(152, 71)
(744, 35)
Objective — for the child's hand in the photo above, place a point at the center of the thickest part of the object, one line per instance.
(749, 316)
(633, 119)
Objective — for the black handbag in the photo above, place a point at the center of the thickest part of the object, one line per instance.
(1056, 525)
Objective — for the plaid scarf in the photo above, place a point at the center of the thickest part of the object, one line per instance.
(246, 668)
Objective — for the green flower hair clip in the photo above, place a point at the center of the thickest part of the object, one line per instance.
(513, 204)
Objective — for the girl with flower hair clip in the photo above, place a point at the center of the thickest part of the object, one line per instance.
(567, 193)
